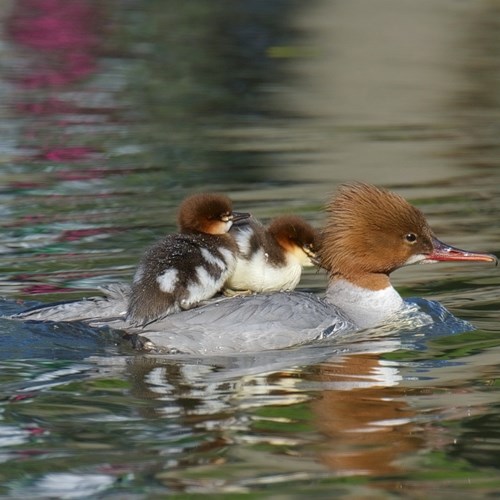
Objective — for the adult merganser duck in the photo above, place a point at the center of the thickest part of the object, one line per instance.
(369, 233)
(183, 269)
(271, 259)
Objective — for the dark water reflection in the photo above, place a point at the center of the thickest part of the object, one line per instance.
(113, 111)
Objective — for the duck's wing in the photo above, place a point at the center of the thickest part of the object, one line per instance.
(221, 326)
(245, 324)
(96, 311)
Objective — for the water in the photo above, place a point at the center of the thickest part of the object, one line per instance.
(112, 112)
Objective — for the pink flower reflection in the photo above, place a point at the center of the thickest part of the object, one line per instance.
(78, 234)
(63, 33)
(45, 288)
(50, 106)
(69, 154)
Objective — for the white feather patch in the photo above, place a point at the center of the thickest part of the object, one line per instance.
(366, 308)
(415, 259)
(242, 237)
(168, 280)
(206, 287)
(212, 259)
(227, 254)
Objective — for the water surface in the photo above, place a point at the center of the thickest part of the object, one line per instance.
(113, 111)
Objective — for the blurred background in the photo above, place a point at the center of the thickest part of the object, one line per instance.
(112, 112)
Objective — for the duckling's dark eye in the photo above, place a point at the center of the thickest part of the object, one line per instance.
(411, 237)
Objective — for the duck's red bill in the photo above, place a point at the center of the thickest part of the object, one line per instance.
(446, 253)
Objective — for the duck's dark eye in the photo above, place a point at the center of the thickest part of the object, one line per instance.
(411, 237)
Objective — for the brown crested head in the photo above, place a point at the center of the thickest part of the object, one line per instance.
(205, 213)
(293, 233)
(370, 230)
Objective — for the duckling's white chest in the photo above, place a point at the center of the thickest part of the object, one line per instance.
(256, 273)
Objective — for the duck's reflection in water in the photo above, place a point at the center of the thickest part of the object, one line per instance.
(370, 429)
(354, 400)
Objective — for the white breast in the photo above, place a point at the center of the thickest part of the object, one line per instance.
(366, 308)
(258, 275)
(242, 237)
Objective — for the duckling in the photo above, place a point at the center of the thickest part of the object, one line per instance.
(272, 258)
(185, 268)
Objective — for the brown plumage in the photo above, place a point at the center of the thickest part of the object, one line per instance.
(294, 235)
(185, 268)
(369, 233)
(204, 213)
